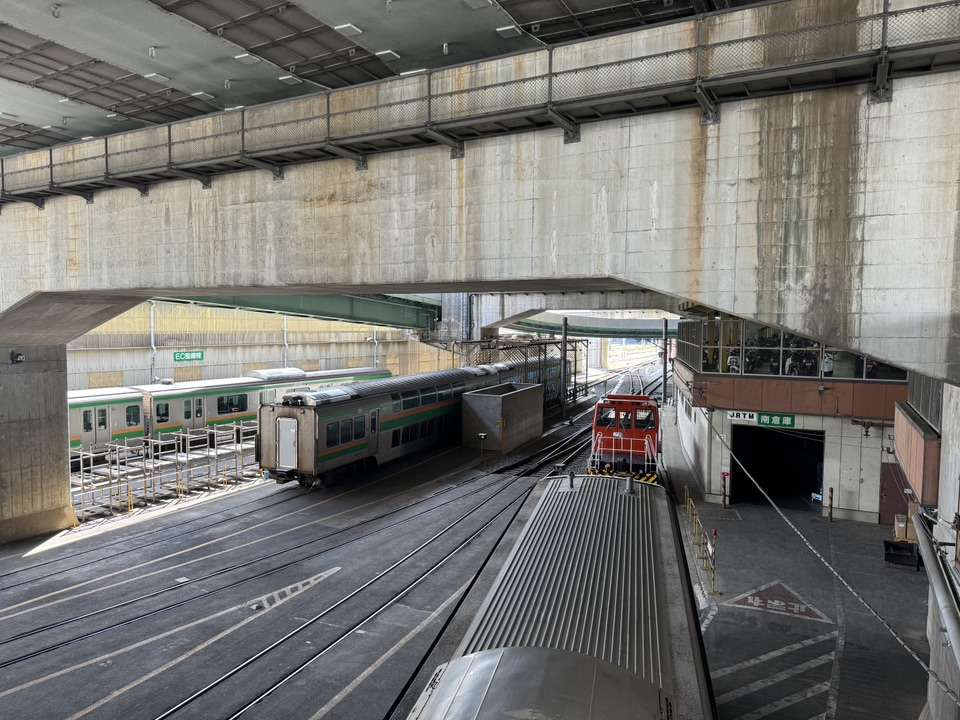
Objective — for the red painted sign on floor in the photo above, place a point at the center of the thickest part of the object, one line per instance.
(777, 598)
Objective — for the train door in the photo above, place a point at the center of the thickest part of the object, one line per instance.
(193, 413)
(286, 443)
(95, 426)
(374, 442)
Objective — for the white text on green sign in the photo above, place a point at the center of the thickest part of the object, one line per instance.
(184, 355)
(776, 420)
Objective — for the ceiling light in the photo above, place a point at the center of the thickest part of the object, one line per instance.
(157, 77)
(63, 100)
(388, 55)
(246, 59)
(413, 72)
(290, 79)
(347, 30)
(202, 95)
(508, 31)
(476, 4)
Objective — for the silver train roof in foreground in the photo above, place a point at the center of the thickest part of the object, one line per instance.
(592, 616)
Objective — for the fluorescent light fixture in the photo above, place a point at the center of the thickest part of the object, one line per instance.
(116, 116)
(413, 72)
(157, 77)
(63, 100)
(46, 127)
(87, 137)
(202, 95)
(388, 55)
(290, 79)
(476, 4)
(508, 31)
(246, 59)
(347, 29)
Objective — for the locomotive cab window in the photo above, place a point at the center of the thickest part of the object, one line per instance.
(626, 419)
(644, 419)
(606, 416)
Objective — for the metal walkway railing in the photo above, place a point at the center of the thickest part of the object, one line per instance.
(561, 86)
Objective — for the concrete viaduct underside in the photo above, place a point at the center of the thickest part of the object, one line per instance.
(823, 213)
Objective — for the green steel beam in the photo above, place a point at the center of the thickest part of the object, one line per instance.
(626, 329)
(387, 310)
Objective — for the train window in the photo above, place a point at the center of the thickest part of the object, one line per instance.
(411, 399)
(443, 393)
(606, 416)
(644, 419)
(333, 434)
(428, 397)
(162, 412)
(395, 438)
(457, 389)
(187, 409)
(410, 434)
(133, 415)
(373, 423)
(359, 428)
(625, 419)
(88, 420)
(346, 431)
(101, 418)
(231, 403)
(396, 403)
(199, 409)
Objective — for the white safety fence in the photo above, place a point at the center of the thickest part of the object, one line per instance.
(124, 478)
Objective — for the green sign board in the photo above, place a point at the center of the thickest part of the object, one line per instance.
(185, 355)
(774, 420)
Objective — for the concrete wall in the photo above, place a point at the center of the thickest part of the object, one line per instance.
(817, 212)
(34, 491)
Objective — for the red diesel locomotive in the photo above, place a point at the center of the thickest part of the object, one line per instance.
(626, 437)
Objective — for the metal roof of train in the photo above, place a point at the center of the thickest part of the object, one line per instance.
(79, 70)
(597, 571)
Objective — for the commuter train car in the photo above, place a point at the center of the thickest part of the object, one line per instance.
(125, 415)
(309, 435)
(591, 616)
(626, 436)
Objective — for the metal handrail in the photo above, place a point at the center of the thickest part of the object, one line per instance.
(237, 133)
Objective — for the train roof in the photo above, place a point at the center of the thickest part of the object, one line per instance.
(599, 572)
(389, 386)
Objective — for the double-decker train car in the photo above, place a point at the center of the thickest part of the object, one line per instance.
(126, 415)
(307, 436)
(626, 436)
(591, 616)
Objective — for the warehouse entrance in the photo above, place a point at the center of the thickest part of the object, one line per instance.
(786, 463)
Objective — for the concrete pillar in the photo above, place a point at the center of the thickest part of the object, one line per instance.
(34, 456)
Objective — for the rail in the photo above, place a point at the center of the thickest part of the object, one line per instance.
(559, 86)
